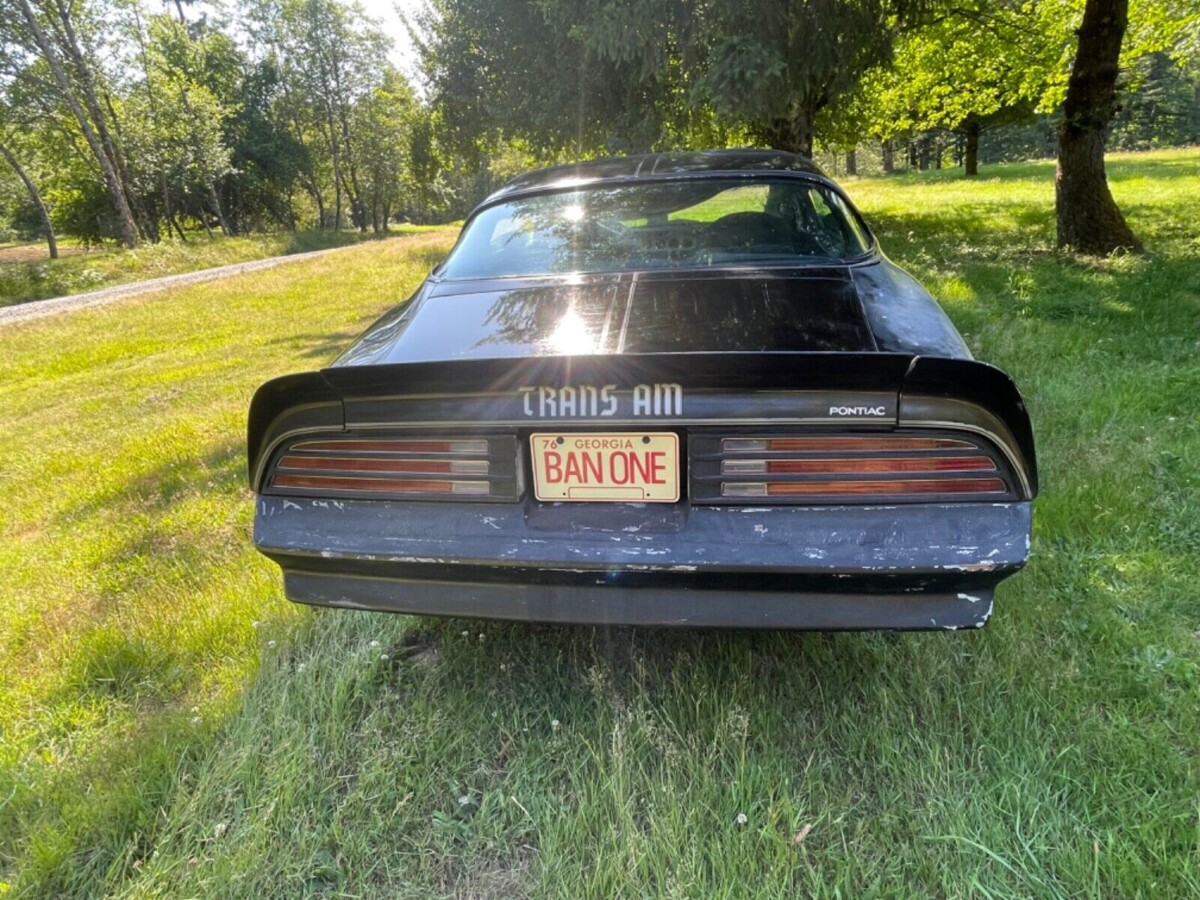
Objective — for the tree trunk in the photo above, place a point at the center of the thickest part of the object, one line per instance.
(852, 162)
(794, 134)
(147, 224)
(168, 212)
(91, 101)
(126, 227)
(1088, 218)
(36, 197)
(215, 200)
(923, 152)
(337, 200)
(320, 201)
(971, 160)
(889, 161)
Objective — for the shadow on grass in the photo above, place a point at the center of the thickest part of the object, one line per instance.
(321, 347)
(158, 490)
(1117, 168)
(307, 241)
(1122, 169)
(1022, 228)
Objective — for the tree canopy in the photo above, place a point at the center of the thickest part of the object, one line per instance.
(130, 120)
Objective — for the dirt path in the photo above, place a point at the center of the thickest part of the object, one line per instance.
(38, 309)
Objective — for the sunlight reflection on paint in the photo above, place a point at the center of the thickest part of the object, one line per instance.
(571, 336)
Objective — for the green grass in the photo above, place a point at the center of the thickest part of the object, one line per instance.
(26, 273)
(171, 727)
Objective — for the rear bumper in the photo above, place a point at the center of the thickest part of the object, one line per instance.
(926, 566)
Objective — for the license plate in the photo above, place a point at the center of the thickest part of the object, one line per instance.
(635, 467)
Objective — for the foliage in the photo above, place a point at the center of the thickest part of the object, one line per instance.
(1164, 110)
(267, 114)
(991, 65)
(975, 64)
(646, 73)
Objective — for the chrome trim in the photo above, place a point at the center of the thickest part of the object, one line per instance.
(268, 452)
(640, 424)
(1000, 443)
(517, 395)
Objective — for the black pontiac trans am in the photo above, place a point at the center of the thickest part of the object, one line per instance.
(676, 389)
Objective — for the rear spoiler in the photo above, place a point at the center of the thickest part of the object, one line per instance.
(913, 390)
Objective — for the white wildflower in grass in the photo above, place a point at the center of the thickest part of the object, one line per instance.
(383, 657)
(374, 645)
(255, 624)
(464, 800)
(301, 667)
(741, 819)
(219, 830)
(270, 645)
(481, 635)
(466, 634)
(555, 725)
(195, 721)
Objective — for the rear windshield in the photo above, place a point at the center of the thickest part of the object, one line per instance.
(659, 225)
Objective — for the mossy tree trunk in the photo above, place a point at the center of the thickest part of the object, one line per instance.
(1089, 220)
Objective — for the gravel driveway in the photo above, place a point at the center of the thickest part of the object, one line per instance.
(38, 309)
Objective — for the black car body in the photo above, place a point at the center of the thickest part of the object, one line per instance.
(680, 389)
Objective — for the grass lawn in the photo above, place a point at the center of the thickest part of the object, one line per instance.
(171, 727)
(26, 273)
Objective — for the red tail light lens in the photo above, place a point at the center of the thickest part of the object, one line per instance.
(843, 466)
(859, 488)
(884, 467)
(468, 468)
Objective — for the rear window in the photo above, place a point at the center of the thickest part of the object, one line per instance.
(674, 224)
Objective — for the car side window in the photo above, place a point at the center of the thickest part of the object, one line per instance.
(823, 225)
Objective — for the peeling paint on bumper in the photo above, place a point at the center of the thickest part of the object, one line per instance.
(931, 566)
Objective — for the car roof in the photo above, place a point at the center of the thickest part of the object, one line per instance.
(631, 168)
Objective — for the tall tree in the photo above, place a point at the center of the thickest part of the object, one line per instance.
(648, 73)
(973, 67)
(79, 91)
(35, 197)
(329, 54)
(381, 127)
(1089, 220)
(569, 78)
(774, 66)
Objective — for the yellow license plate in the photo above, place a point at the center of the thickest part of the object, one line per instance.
(630, 467)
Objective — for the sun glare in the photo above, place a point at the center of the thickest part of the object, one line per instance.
(571, 336)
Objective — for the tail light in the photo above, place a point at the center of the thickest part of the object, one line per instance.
(823, 468)
(436, 467)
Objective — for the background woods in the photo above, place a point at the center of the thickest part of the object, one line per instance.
(137, 120)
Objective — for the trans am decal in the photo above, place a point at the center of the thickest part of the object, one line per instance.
(590, 401)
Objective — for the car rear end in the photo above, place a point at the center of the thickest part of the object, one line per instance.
(777, 490)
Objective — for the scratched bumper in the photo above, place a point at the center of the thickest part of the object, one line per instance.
(905, 567)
